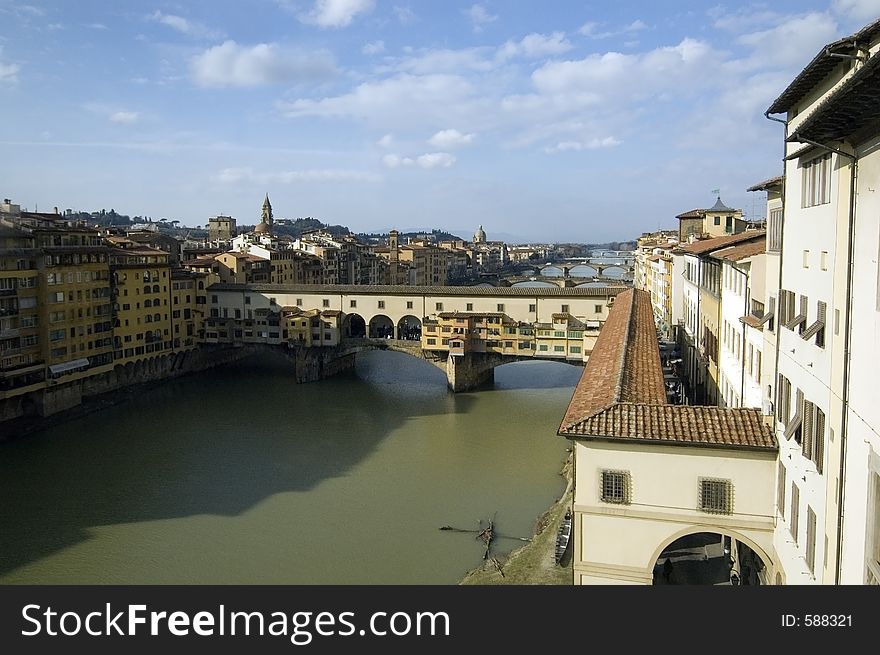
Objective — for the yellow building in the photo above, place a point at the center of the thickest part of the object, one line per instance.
(75, 314)
(463, 332)
(563, 337)
(142, 321)
(188, 303)
(22, 366)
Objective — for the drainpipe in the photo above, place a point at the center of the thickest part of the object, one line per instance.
(847, 339)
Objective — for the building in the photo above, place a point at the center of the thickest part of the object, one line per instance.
(718, 220)
(160, 241)
(222, 228)
(142, 324)
(188, 309)
(657, 483)
(697, 311)
(827, 414)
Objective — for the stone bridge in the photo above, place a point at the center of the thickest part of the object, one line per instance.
(463, 372)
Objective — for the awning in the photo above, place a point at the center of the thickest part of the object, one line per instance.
(55, 369)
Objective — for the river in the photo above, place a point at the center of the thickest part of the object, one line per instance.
(240, 476)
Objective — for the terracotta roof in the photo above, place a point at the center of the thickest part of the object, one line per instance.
(768, 184)
(621, 395)
(625, 363)
(415, 291)
(694, 213)
(710, 245)
(741, 251)
(679, 424)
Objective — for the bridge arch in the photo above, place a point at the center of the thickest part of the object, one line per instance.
(354, 326)
(380, 327)
(409, 328)
(614, 271)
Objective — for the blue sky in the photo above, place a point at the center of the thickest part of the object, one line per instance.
(545, 121)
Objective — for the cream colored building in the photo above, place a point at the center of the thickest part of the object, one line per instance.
(657, 482)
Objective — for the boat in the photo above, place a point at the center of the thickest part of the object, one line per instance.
(563, 536)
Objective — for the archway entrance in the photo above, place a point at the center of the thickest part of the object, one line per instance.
(707, 558)
(381, 327)
(354, 326)
(409, 328)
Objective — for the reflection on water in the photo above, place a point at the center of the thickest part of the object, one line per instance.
(242, 476)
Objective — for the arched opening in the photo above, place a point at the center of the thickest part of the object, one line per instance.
(709, 558)
(551, 271)
(614, 272)
(381, 327)
(583, 270)
(354, 326)
(409, 328)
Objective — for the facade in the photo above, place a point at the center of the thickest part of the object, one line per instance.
(649, 474)
(221, 228)
(716, 221)
(825, 402)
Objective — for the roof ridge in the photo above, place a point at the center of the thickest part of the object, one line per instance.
(621, 368)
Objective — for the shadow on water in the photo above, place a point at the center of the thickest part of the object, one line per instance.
(215, 443)
(536, 375)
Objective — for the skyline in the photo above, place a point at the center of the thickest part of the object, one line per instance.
(380, 115)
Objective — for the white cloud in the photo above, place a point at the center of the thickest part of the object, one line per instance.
(792, 43)
(97, 26)
(8, 72)
(446, 139)
(184, 25)
(336, 13)
(397, 101)
(385, 141)
(591, 29)
(479, 16)
(535, 45)
(249, 176)
(427, 161)
(744, 18)
(578, 146)
(231, 64)
(373, 48)
(124, 117)
(864, 10)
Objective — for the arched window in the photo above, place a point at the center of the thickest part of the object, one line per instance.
(155, 288)
(148, 303)
(147, 289)
(148, 319)
(157, 317)
(155, 276)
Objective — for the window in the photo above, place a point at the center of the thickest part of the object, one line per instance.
(811, 539)
(353, 303)
(806, 261)
(794, 429)
(409, 304)
(559, 349)
(214, 300)
(299, 302)
(813, 434)
(565, 309)
(597, 309)
(325, 302)
(469, 307)
(432, 342)
(795, 508)
(716, 496)
(438, 306)
(774, 231)
(780, 490)
(823, 260)
(816, 181)
(381, 304)
(499, 307)
(533, 307)
(543, 348)
(615, 487)
(798, 322)
(575, 349)
(817, 328)
(717, 220)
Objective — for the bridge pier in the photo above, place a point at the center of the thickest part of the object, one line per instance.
(314, 364)
(466, 372)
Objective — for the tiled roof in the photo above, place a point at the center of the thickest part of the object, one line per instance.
(694, 213)
(404, 290)
(621, 395)
(741, 251)
(625, 363)
(710, 245)
(768, 184)
(679, 424)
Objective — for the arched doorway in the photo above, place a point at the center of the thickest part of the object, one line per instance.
(409, 328)
(381, 327)
(709, 558)
(354, 326)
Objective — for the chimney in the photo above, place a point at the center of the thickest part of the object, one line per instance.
(56, 209)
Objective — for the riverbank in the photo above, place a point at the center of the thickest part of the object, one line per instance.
(534, 563)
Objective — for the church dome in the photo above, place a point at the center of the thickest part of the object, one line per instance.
(262, 228)
(480, 235)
